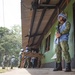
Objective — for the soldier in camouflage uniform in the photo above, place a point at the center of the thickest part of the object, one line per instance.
(12, 61)
(5, 62)
(20, 58)
(62, 43)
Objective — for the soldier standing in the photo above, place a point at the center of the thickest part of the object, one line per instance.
(20, 58)
(12, 61)
(62, 43)
(5, 62)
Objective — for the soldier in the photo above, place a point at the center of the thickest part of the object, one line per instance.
(33, 59)
(20, 58)
(5, 62)
(27, 58)
(12, 61)
(62, 43)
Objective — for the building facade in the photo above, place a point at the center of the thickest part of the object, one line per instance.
(39, 21)
(47, 47)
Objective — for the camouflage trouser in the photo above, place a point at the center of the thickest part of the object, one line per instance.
(62, 47)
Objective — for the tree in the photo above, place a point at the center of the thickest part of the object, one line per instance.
(10, 41)
(3, 31)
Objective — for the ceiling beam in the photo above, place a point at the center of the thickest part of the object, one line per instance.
(33, 35)
(41, 18)
(59, 2)
(32, 22)
(48, 6)
(47, 2)
(49, 23)
(33, 44)
(47, 27)
(39, 23)
(36, 5)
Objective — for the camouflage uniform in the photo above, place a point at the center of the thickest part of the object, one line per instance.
(63, 46)
(12, 61)
(5, 62)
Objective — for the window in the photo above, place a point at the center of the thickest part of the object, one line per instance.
(47, 45)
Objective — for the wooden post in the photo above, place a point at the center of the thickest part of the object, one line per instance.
(67, 1)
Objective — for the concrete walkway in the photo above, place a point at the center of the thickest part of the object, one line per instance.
(40, 71)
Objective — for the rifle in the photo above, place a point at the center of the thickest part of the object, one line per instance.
(58, 31)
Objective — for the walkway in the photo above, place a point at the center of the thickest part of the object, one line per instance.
(41, 71)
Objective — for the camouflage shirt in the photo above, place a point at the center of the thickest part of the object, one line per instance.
(64, 31)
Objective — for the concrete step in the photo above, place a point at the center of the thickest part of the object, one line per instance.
(37, 71)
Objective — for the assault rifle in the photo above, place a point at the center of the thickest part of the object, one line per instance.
(58, 31)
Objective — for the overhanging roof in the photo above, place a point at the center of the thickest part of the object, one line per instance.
(36, 17)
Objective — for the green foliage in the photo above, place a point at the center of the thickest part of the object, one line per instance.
(3, 31)
(10, 41)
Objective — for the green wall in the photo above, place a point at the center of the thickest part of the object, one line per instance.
(48, 55)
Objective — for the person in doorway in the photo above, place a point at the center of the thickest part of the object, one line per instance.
(61, 42)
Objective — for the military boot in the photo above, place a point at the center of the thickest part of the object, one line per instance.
(68, 67)
(58, 67)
